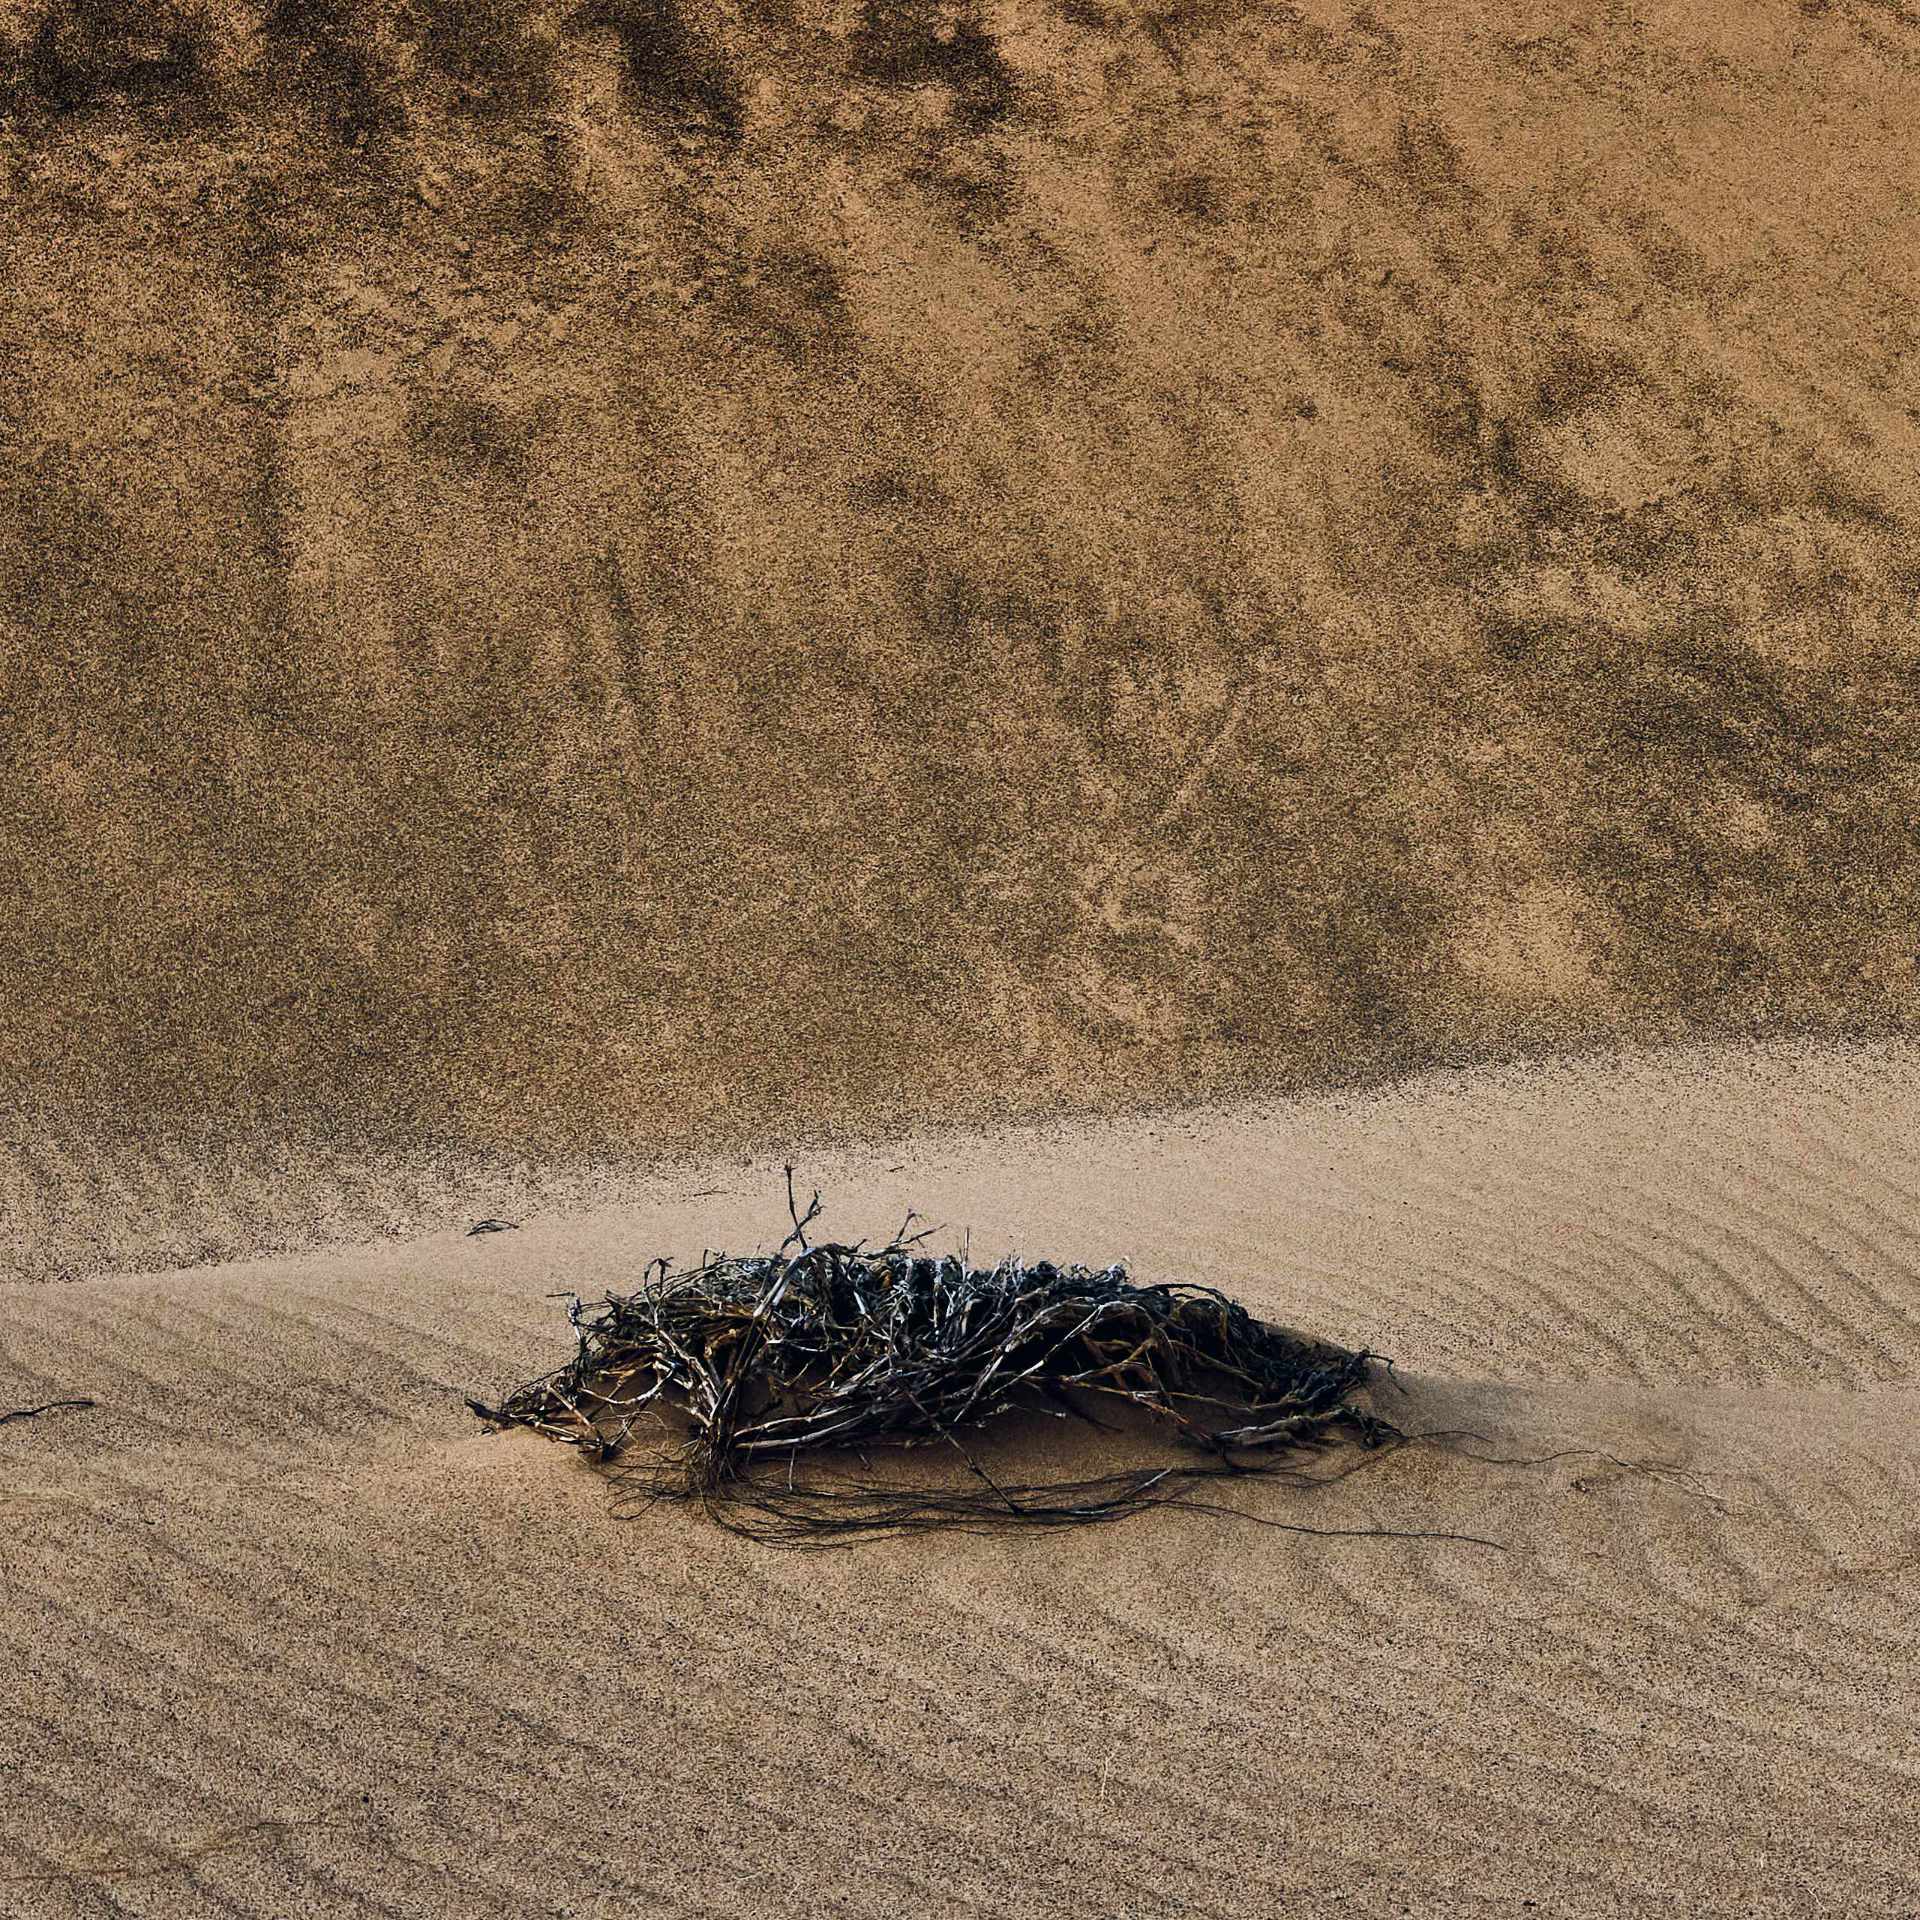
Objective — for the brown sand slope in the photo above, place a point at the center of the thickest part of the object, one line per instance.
(546, 552)
(285, 1633)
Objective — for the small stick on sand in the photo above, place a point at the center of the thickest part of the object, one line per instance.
(52, 1406)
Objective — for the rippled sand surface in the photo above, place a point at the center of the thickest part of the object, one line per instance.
(286, 1631)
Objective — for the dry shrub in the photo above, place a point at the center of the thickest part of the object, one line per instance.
(821, 1352)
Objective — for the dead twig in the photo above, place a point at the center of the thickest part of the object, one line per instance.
(51, 1406)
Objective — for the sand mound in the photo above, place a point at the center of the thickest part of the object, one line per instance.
(287, 1634)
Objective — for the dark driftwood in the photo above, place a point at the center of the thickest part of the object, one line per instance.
(820, 1352)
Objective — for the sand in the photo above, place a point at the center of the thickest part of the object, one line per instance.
(548, 553)
(287, 1631)
(1274, 640)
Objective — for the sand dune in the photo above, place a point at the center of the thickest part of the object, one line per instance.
(587, 590)
(287, 1633)
(547, 551)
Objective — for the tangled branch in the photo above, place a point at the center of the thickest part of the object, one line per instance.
(826, 1349)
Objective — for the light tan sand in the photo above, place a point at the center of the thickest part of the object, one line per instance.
(286, 1633)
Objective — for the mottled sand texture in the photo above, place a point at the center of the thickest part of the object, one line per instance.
(580, 579)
